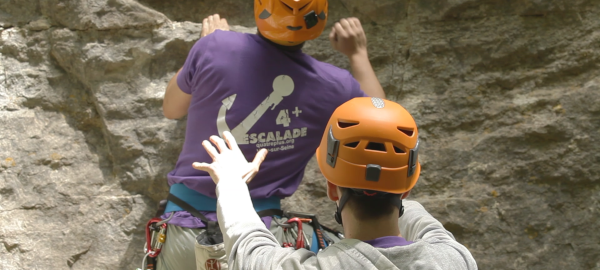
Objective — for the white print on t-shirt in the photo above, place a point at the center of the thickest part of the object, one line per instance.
(297, 112)
(283, 118)
(276, 138)
(276, 141)
(283, 86)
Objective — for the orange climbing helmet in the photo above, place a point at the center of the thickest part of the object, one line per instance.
(370, 144)
(290, 21)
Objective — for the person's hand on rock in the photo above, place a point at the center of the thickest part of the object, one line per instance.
(212, 23)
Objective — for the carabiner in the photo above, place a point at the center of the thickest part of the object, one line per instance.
(300, 236)
(153, 243)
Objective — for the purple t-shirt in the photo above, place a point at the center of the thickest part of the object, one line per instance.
(268, 98)
(388, 242)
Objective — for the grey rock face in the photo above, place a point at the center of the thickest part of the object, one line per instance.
(506, 95)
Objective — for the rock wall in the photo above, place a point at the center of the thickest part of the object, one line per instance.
(506, 95)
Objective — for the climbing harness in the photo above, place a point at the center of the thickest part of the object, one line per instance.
(293, 233)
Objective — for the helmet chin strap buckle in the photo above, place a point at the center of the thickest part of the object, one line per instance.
(343, 200)
(338, 217)
(398, 203)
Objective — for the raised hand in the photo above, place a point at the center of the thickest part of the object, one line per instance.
(348, 37)
(229, 163)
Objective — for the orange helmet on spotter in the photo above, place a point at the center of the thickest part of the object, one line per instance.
(371, 144)
(290, 21)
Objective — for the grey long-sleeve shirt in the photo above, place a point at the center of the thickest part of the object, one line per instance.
(250, 245)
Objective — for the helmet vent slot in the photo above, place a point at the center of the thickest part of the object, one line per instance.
(287, 5)
(346, 124)
(406, 131)
(376, 146)
(304, 6)
(352, 144)
(398, 150)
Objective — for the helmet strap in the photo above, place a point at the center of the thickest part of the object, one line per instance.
(346, 195)
(398, 202)
(343, 201)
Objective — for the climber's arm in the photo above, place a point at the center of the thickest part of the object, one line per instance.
(348, 37)
(176, 102)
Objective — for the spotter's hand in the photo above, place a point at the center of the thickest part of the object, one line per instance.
(229, 164)
(348, 37)
(212, 23)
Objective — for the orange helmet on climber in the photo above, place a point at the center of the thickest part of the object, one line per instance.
(371, 144)
(290, 22)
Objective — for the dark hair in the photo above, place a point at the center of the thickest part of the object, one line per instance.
(371, 207)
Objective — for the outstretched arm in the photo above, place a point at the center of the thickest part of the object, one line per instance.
(348, 37)
(248, 243)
